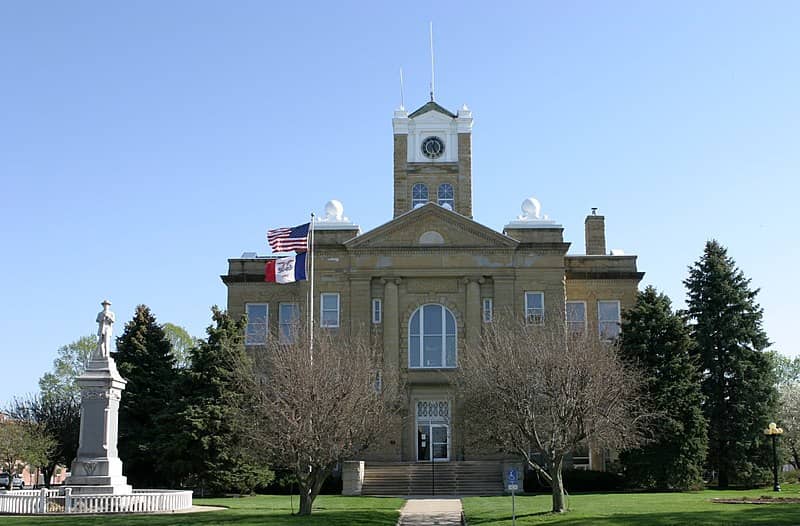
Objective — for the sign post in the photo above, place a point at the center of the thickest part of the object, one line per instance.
(512, 484)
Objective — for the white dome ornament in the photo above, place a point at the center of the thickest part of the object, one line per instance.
(532, 216)
(334, 218)
(531, 209)
(334, 211)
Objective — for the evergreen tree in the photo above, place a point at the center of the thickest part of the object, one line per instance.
(211, 433)
(656, 340)
(146, 414)
(738, 379)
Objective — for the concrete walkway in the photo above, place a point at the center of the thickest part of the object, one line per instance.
(427, 512)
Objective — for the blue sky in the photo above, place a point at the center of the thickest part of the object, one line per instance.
(144, 143)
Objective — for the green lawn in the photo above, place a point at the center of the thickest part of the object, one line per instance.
(271, 510)
(651, 509)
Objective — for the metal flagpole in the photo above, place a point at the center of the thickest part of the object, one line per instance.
(402, 94)
(432, 68)
(311, 292)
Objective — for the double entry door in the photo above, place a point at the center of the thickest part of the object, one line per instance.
(433, 442)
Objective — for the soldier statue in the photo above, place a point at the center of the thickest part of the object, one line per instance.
(105, 322)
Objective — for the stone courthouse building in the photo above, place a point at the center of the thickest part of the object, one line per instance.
(430, 278)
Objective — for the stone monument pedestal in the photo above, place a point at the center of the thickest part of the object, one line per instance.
(97, 469)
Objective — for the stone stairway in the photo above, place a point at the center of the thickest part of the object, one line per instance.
(445, 478)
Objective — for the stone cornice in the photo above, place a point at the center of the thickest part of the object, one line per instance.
(544, 248)
(418, 250)
(603, 276)
(242, 278)
(456, 273)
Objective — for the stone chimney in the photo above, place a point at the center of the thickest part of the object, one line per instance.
(595, 234)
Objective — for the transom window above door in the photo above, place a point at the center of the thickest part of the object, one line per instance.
(432, 337)
(433, 410)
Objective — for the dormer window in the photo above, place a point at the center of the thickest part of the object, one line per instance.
(419, 195)
(446, 196)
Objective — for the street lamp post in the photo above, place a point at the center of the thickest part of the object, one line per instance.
(773, 431)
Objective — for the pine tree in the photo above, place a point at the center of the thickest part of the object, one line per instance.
(211, 435)
(738, 379)
(656, 340)
(146, 415)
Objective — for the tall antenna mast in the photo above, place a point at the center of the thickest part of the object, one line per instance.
(432, 69)
(402, 97)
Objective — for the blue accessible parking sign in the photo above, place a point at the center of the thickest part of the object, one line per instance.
(512, 485)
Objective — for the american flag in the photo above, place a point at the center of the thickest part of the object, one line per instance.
(290, 238)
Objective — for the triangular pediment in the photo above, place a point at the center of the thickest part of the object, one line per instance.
(431, 226)
(431, 106)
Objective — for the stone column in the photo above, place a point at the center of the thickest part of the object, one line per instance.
(473, 312)
(391, 325)
(97, 468)
(352, 477)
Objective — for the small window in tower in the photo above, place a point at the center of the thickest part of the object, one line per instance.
(419, 195)
(488, 310)
(377, 311)
(447, 196)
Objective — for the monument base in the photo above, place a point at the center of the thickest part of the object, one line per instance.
(103, 489)
(97, 476)
(103, 477)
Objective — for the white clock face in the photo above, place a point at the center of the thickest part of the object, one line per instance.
(432, 147)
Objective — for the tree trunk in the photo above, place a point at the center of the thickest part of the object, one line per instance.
(311, 491)
(723, 477)
(306, 501)
(557, 483)
(47, 474)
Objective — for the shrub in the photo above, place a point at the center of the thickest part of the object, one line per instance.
(577, 481)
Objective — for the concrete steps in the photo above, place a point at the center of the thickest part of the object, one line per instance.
(444, 478)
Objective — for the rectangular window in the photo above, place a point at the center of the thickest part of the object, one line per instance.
(288, 318)
(608, 319)
(576, 316)
(487, 310)
(534, 308)
(257, 323)
(329, 309)
(582, 458)
(377, 314)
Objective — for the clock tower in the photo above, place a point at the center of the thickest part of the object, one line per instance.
(433, 158)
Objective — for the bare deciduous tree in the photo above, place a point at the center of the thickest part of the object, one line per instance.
(308, 414)
(541, 393)
(58, 414)
(23, 443)
(790, 419)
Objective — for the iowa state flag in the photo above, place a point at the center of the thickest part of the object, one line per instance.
(286, 270)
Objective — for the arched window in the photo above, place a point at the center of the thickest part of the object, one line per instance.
(432, 337)
(446, 196)
(419, 195)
